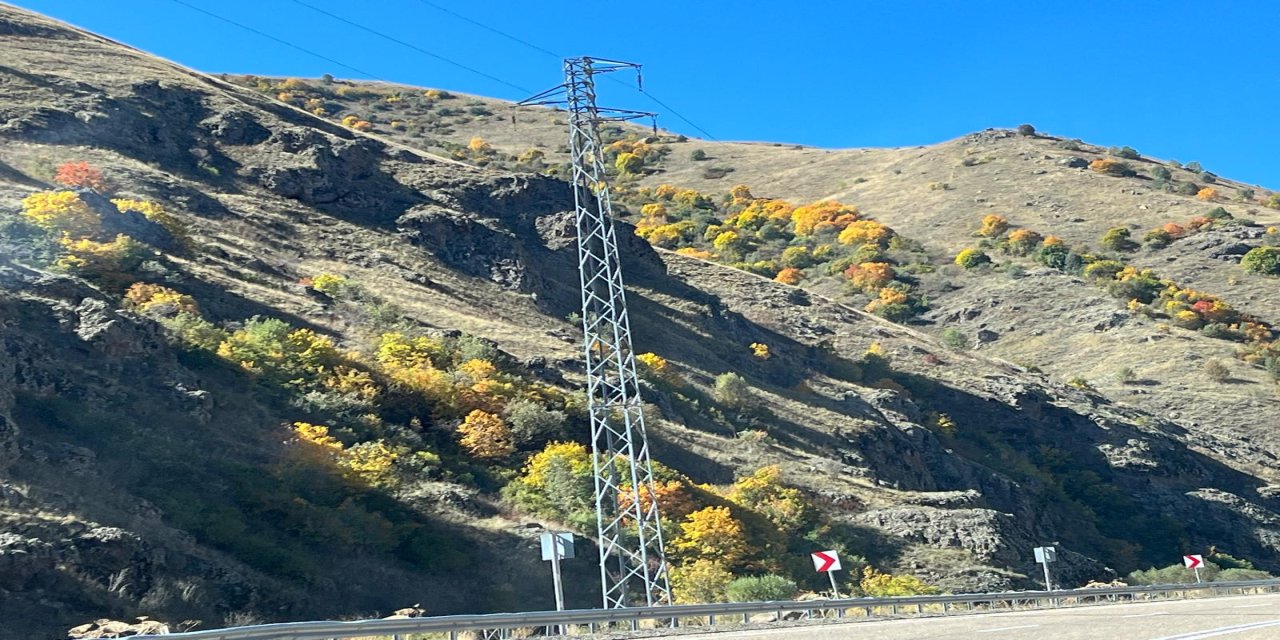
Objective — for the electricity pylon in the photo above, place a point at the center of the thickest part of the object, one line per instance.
(630, 535)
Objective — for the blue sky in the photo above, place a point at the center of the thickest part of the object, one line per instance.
(1173, 79)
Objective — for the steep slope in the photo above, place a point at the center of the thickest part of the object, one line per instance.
(141, 473)
(1062, 323)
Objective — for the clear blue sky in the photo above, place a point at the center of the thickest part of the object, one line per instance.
(1173, 79)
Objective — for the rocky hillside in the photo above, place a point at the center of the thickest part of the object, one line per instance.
(261, 365)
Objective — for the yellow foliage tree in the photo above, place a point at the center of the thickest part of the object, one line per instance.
(486, 435)
(571, 455)
(877, 584)
(152, 211)
(711, 533)
(1207, 193)
(657, 367)
(479, 145)
(147, 297)
(700, 582)
(60, 212)
(764, 492)
(760, 350)
(865, 232)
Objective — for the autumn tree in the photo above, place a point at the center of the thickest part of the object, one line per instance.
(80, 174)
(1118, 239)
(61, 213)
(485, 435)
(879, 584)
(971, 258)
(869, 276)
(711, 533)
(1206, 194)
(992, 226)
(1023, 241)
(789, 275)
(824, 215)
(700, 582)
(1114, 168)
(865, 232)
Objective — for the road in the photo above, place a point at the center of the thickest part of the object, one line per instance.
(1233, 618)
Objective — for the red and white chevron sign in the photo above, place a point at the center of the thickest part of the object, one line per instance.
(1193, 562)
(826, 561)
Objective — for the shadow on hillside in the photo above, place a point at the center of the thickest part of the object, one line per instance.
(1038, 442)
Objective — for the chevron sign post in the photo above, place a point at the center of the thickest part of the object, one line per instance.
(1194, 562)
(827, 562)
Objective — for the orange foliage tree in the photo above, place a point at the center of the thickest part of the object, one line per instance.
(80, 174)
(869, 276)
(824, 215)
(789, 275)
(993, 225)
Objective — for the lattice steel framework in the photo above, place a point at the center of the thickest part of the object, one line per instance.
(630, 535)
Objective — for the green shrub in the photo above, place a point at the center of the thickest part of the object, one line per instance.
(1209, 178)
(1161, 173)
(1128, 153)
(1193, 167)
(697, 155)
(532, 422)
(1246, 194)
(955, 338)
(733, 391)
(1188, 188)
(1232, 575)
(1218, 213)
(1264, 260)
(767, 588)
(1026, 130)
(1172, 574)
(1103, 269)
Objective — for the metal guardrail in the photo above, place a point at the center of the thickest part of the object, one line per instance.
(588, 621)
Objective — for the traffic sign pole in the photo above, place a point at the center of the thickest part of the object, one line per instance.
(834, 590)
(1048, 584)
(555, 577)
(1197, 570)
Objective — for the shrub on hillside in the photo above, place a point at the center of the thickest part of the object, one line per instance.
(878, 584)
(1207, 194)
(697, 155)
(1110, 167)
(733, 391)
(700, 582)
(972, 258)
(992, 226)
(1128, 153)
(1264, 260)
(767, 588)
(1161, 173)
(1026, 130)
(61, 213)
(80, 174)
(1118, 239)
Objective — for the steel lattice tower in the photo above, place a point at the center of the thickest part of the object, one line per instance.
(630, 535)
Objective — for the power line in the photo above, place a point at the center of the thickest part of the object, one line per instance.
(411, 46)
(492, 29)
(283, 42)
(558, 56)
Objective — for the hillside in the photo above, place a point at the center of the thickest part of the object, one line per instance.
(264, 366)
(937, 196)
